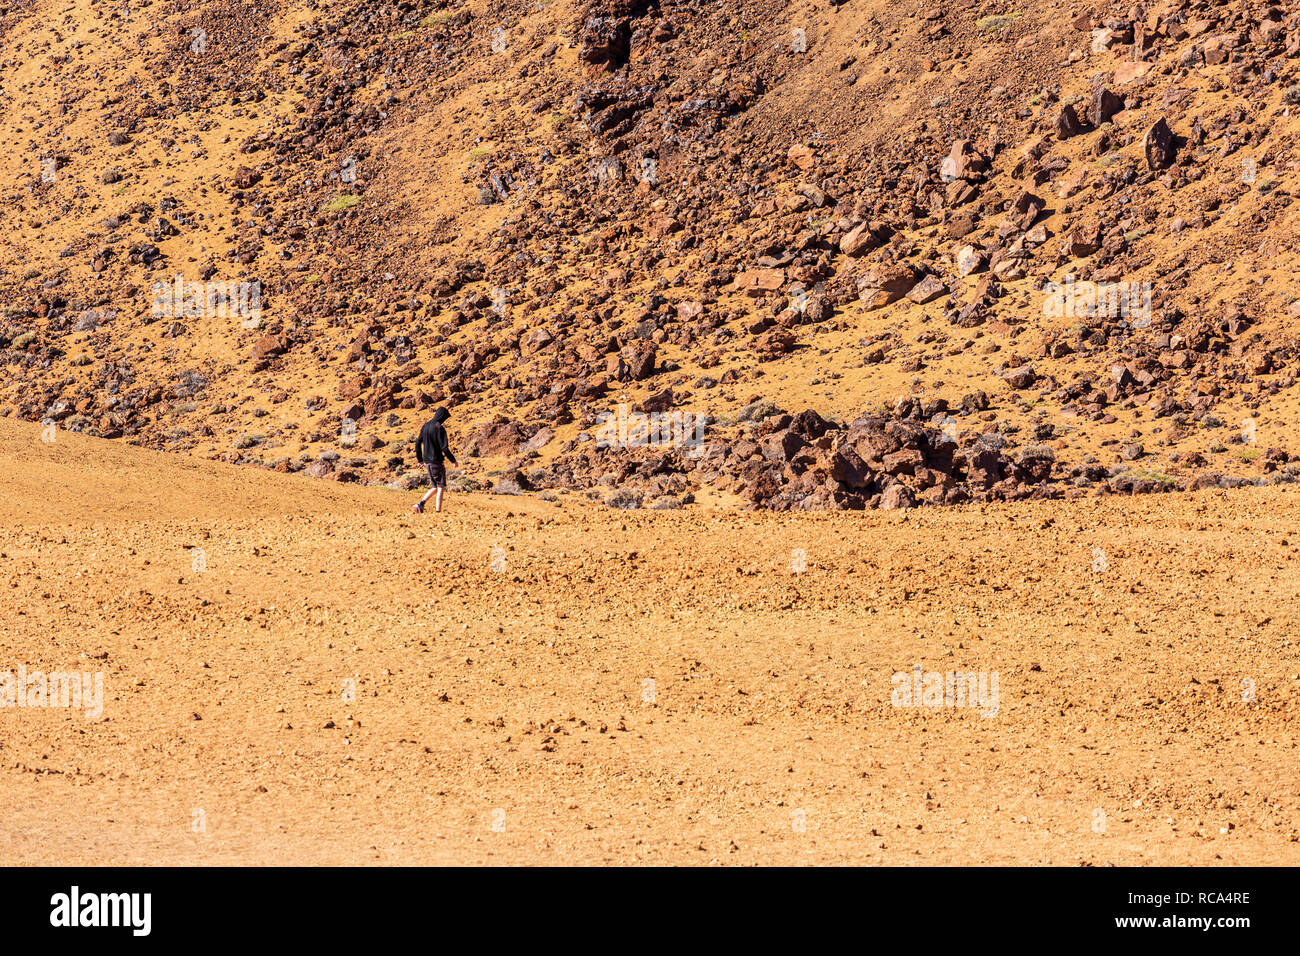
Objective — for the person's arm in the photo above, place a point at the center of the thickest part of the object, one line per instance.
(446, 448)
(419, 449)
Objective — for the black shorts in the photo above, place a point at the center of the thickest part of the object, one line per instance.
(437, 473)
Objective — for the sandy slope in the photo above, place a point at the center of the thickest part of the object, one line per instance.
(517, 696)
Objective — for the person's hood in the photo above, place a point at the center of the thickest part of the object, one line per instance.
(440, 416)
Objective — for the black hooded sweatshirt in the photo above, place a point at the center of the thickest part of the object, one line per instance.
(432, 446)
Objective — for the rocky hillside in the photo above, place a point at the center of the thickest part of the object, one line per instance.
(812, 255)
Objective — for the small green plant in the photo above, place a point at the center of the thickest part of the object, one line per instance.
(757, 411)
(342, 202)
(24, 340)
(1146, 474)
(998, 21)
(478, 152)
(1248, 454)
(1039, 451)
(435, 19)
(625, 499)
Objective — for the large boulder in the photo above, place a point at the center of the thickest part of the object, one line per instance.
(638, 359)
(897, 496)
(1103, 105)
(498, 439)
(848, 468)
(1158, 145)
(883, 284)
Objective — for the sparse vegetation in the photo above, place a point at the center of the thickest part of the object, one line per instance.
(1039, 451)
(756, 411)
(998, 21)
(1147, 474)
(624, 498)
(341, 202)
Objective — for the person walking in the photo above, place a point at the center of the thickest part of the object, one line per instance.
(431, 449)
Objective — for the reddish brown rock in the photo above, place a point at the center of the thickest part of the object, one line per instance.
(498, 439)
(639, 358)
(268, 346)
(859, 240)
(1158, 145)
(1067, 123)
(802, 156)
(1103, 105)
(897, 496)
(774, 343)
(245, 178)
(757, 282)
(881, 285)
(847, 467)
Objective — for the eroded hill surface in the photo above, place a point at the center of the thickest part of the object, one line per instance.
(825, 237)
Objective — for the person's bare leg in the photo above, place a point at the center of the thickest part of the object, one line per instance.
(437, 501)
(420, 506)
